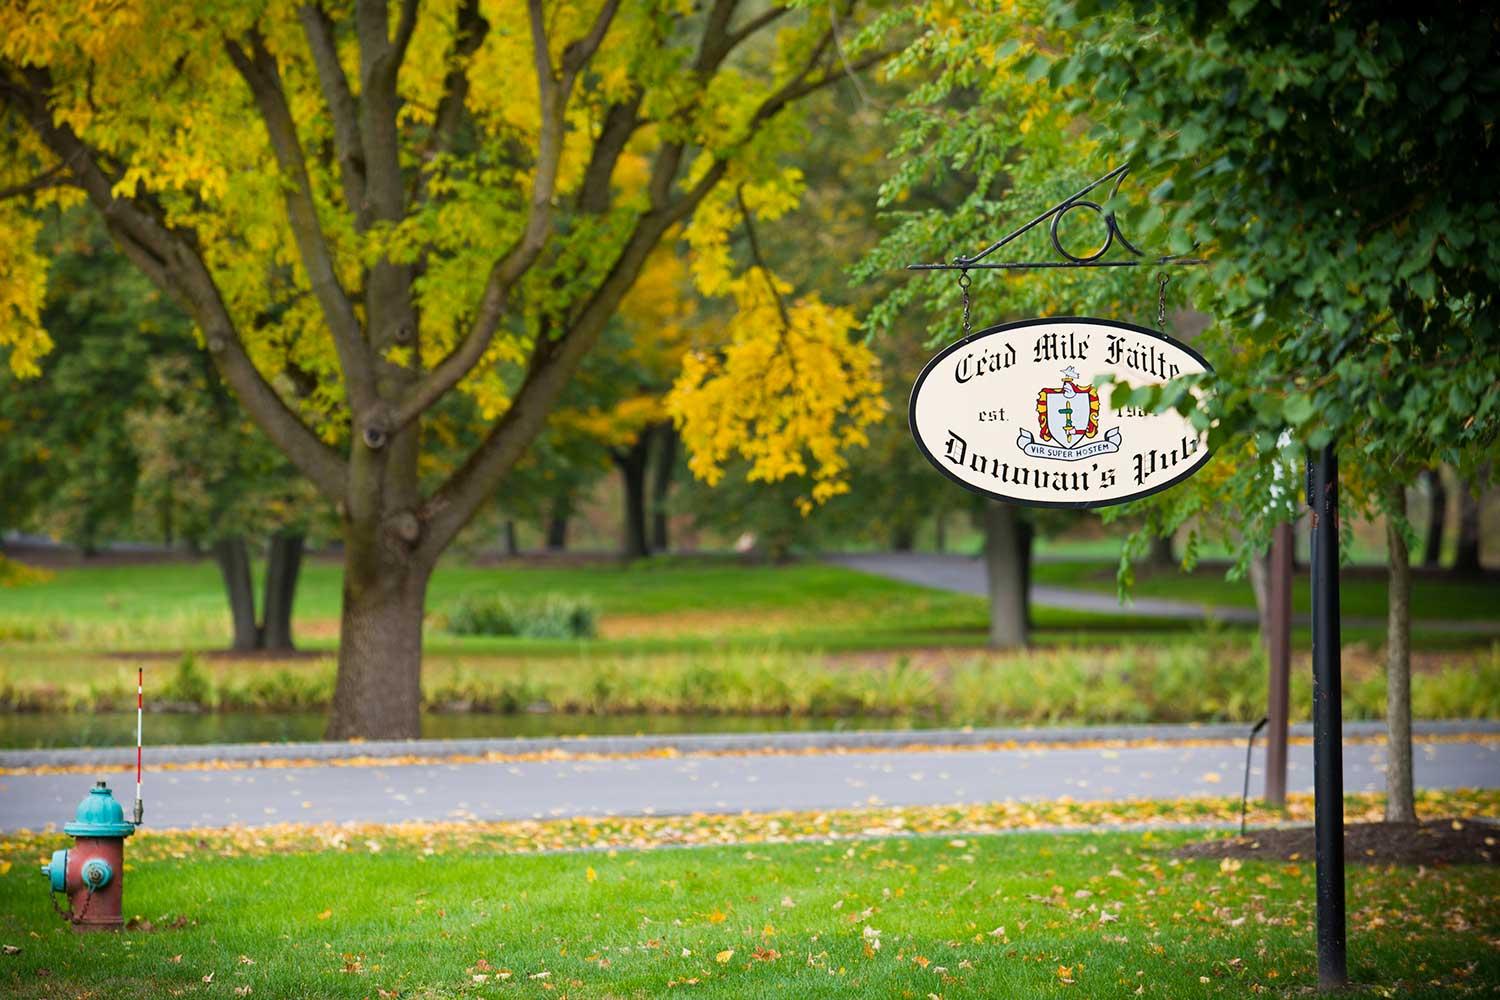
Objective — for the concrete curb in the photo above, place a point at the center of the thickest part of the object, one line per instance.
(895, 739)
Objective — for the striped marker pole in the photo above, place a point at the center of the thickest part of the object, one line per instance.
(140, 677)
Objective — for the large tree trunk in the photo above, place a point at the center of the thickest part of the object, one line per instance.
(1400, 803)
(378, 693)
(661, 486)
(632, 463)
(512, 544)
(282, 571)
(1437, 517)
(234, 564)
(1160, 555)
(1466, 555)
(904, 536)
(1006, 573)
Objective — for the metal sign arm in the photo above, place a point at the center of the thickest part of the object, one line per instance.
(1055, 213)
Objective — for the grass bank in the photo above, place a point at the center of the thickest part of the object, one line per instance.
(441, 913)
(1213, 678)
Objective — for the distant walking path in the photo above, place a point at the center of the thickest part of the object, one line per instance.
(965, 575)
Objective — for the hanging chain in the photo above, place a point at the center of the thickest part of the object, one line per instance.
(963, 283)
(68, 914)
(1162, 277)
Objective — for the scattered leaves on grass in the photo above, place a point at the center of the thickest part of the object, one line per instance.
(701, 829)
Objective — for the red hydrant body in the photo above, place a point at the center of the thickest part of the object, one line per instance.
(92, 871)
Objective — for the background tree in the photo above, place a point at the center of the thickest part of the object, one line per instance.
(371, 195)
(131, 433)
(1328, 158)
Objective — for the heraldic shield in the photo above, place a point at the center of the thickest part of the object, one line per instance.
(1069, 413)
(1068, 416)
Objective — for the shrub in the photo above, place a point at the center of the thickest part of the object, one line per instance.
(553, 616)
(189, 685)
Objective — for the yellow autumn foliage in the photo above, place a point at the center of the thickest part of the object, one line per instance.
(791, 397)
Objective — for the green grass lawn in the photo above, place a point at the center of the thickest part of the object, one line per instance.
(998, 916)
(643, 605)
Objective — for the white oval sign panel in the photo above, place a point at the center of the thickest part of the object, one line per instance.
(1012, 412)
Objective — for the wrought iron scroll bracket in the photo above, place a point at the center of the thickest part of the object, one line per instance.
(1078, 199)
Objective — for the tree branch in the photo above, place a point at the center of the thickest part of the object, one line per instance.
(760, 260)
(54, 176)
(553, 96)
(553, 362)
(342, 108)
(469, 36)
(171, 259)
(259, 70)
(406, 24)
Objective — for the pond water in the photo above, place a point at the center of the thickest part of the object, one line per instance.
(41, 730)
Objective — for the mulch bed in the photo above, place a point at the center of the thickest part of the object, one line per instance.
(1433, 842)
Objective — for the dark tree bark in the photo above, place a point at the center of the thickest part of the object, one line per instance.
(1160, 555)
(1005, 568)
(904, 537)
(282, 571)
(940, 532)
(378, 692)
(1466, 554)
(557, 527)
(1027, 535)
(234, 564)
(512, 547)
(1400, 800)
(632, 464)
(1437, 518)
(663, 471)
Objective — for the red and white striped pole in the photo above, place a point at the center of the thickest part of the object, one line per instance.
(140, 677)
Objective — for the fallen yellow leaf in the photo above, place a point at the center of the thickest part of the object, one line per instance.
(591, 875)
(325, 914)
(724, 956)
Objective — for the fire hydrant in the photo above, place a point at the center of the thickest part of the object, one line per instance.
(92, 872)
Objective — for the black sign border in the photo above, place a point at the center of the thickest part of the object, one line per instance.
(911, 411)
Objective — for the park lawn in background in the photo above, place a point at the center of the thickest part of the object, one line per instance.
(1362, 589)
(1010, 915)
(177, 604)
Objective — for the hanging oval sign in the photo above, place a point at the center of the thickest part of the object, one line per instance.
(1012, 412)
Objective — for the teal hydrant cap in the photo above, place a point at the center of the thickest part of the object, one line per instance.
(99, 815)
(57, 871)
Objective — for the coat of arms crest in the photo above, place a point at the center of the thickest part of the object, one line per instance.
(1068, 416)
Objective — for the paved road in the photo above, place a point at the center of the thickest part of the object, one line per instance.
(663, 786)
(965, 575)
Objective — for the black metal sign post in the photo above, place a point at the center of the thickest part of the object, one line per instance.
(1322, 497)
(1328, 736)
